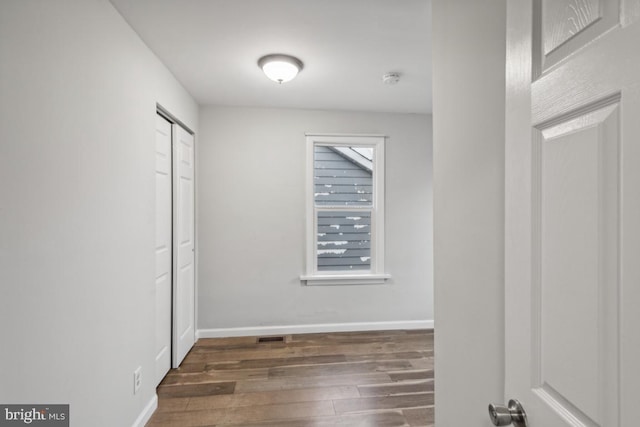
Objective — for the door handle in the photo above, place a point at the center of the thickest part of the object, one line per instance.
(506, 415)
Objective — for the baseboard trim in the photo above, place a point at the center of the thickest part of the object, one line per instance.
(316, 328)
(147, 412)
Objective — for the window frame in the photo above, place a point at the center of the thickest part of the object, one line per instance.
(376, 274)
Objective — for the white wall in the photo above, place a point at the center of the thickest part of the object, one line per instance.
(251, 229)
(469, 89)
(78, 93)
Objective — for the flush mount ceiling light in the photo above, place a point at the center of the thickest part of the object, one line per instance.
(280, 68)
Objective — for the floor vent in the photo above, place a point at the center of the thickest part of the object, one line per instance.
(270, 339)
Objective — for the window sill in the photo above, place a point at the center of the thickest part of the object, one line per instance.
(345, 279)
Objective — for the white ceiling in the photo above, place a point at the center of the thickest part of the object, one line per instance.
(212, 47)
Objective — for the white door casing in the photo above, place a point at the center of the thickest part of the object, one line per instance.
(184, 243)
(572, 223)
(163, 248)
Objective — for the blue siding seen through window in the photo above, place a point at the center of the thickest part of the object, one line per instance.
(343, 178)
(344, 240)
(339, 179)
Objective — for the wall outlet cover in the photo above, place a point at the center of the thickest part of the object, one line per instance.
(137, 379)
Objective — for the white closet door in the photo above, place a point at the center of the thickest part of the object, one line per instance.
(184, 244)
(163, 248)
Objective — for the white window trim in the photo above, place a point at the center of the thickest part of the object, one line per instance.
(377, 273)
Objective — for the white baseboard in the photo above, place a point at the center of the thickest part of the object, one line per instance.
(147, 412)
(306, 329)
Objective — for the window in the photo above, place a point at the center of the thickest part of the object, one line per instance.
(345, 210)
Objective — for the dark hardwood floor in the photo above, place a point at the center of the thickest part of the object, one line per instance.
(363, 379)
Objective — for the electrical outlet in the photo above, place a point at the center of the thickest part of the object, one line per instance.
(137, 379)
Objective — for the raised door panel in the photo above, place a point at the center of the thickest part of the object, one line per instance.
(576, 285)
(564, 26)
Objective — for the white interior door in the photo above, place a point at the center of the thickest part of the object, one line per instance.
(163, 248)
(573, 211)
(184, 244)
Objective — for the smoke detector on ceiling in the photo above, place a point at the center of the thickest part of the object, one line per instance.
(391, 78)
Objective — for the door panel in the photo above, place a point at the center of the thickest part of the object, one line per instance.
(561, 27)
(573, 211)
(163, 248)
(576, 175)
(184, 236)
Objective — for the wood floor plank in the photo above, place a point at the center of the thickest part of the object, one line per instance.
(278, 412)
(425, 363)
(190, 390)
(377, 419)
(306, 382)
(187, 419)
(411, 375)
(207, 376)
(170, 404)
(405, 355)
(384, 402)
(243, 415)
(224, 342)
(395, 388)
(272, 397)
(179, 378)
(277, 362)
(187, 367)
(419, 417)
(295, 349)
(338, 369)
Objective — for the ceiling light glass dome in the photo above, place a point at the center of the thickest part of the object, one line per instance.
(280, 68)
